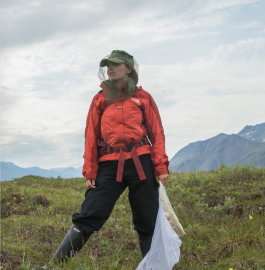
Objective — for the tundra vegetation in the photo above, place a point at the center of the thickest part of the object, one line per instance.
(222, 212)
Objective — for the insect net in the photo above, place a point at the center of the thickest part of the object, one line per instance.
(165, 247)
(112, 94)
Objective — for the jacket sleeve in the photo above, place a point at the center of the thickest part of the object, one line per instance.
(156, 136)
(92, 134)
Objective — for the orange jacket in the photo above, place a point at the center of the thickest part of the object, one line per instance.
(124, 122)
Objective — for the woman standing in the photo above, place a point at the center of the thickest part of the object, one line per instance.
(124, 147)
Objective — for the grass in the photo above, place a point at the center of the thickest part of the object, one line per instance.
(222, 212)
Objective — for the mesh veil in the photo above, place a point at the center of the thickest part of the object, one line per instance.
(112, 94)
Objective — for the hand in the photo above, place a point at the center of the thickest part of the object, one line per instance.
(162, 178)
(90, 183)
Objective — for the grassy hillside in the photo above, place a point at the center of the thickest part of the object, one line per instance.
(222, 212)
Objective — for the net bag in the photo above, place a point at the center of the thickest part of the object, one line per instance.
(165, 247)
(169, 212)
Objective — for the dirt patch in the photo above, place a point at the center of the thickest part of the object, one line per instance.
(19, 204)
(214, 200)
(236, 210)
(15, 203)
(49, 234)
(64, 229)
(40, 200)
(15, 197)
(255, 196)
(130, 246)
(9, 262)
(106, 233)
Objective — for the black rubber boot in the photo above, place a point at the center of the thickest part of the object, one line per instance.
(74, 240)
(145, 243)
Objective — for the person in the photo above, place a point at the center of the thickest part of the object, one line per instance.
(124, 147)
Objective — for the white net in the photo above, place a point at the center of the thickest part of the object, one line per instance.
(165, 248)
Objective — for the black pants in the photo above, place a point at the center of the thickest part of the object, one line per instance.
(99, 202)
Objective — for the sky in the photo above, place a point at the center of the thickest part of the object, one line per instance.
(203, 61)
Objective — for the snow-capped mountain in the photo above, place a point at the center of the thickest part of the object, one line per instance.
(254, 133)
(246, 147)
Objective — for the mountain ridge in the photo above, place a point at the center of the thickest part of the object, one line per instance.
(246, 147)
(9, 170)
(256, 133)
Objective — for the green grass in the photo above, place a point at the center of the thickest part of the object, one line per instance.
(215, 209)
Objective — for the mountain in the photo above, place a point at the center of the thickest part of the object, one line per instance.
(74, 172)
(188, 158)
(255, 133)
(9, 170)
(246, 147)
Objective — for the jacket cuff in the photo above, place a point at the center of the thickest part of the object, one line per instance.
(160, 171)
(90, 175)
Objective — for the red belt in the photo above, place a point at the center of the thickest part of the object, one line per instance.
(128, 148)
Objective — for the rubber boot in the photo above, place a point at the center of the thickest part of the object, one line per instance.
(145, 243)
(74, 240)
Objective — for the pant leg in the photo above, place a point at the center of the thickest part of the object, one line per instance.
(99, 202)
(143, 195)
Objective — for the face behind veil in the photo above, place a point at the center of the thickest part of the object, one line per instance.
(111, 93)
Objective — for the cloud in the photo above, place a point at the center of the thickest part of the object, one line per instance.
(47, 151)
(253, 48)
(40, 21)
(249, 25)
(204, 77)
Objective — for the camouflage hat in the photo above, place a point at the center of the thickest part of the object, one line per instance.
(118, 56)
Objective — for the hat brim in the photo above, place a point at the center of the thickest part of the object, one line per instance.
(104, 62)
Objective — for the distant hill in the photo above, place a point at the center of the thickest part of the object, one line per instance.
(9, 170)
(254, 133)
(247, 147)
